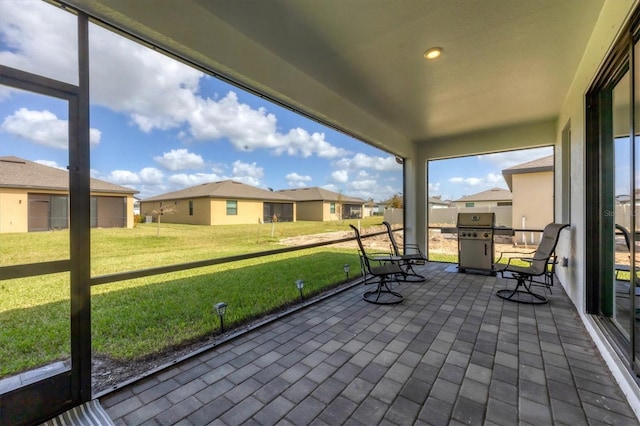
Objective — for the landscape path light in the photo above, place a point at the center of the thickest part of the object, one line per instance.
(300, 285)
(221, 309)
(346, 268)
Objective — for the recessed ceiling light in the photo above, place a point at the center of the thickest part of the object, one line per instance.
(433, 53)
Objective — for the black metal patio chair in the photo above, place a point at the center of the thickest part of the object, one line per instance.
(384, 270)
(535, 266)
(623, 283)
(412, 255)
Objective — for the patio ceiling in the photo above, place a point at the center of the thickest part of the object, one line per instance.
(358, 65)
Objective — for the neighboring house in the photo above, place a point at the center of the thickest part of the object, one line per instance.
(437, 203)
(220, 203)
(35, 197)
(531, 186)
(321, 205)
(495, 197)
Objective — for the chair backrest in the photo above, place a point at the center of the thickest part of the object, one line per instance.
(363, 257)
(626, 235)
(394, 244)
(547, 246)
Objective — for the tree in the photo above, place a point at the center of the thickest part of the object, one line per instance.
(159, 212)
(395, 202)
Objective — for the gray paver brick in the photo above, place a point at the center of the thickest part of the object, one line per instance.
(370, 412)
(468, 412)
(178, 411)
(533, 412)
(242, 411)
(274, 411)
(210, 411)
(305, 411)
(338, 411)
(402, 411)
(501, 413)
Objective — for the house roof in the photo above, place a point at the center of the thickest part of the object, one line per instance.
(544, 164)
(16, 172)
(319, 194)
(222, 189)
(493, 194)
(434, 200)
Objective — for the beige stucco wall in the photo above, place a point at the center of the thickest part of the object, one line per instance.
(532, 200)
(317, 210)
(14, 208)
(310, 210)
(462, 204)
(249, 211)
(178, 211)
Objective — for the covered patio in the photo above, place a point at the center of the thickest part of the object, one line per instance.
(451, 353)
(513, 74)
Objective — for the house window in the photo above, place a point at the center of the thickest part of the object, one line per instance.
(232, 207)
(469, 204)
(190, 208)
(504, 203)
(332, 208)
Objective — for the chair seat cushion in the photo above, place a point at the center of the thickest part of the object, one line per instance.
(386, 269)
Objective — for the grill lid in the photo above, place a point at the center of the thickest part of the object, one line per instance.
(476, 220)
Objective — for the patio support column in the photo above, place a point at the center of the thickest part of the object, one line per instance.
(415, 201)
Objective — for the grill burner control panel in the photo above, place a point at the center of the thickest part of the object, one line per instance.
(475, 234)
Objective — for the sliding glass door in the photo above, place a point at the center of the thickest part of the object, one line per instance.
(612, 198)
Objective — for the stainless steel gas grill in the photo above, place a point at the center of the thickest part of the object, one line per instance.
(475, 241)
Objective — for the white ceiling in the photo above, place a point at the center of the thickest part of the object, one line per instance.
(357, 64)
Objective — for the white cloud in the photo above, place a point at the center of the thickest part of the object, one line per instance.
(40, 41)
(43, 128)
(155, 91)
(186, 180)
(503, 160)
(296, 180)
(123, 177)
(470, 181)
(50, 164)
(151, 175)
(340, 176)
(249, 129)
(363, 161)
(248, 173)
(180, 159)
(363, 185)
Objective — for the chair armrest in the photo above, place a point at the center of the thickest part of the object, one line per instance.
(522, 255)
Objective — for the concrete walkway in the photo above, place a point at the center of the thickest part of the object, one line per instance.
(452, 353)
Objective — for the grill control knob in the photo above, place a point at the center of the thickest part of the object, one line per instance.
(486, 235)
(475, 234)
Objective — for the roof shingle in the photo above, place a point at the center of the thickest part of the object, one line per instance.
(19, 173)
(222, 189)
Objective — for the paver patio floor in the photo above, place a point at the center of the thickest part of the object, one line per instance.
(451, 353)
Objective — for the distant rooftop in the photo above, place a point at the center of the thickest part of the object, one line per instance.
(319, 194)
(16, 172)
(222, 189)
(544, 164)
(493, 194)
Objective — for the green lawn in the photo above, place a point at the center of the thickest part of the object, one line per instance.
(135, 318)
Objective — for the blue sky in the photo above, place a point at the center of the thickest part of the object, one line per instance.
(158, 125)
